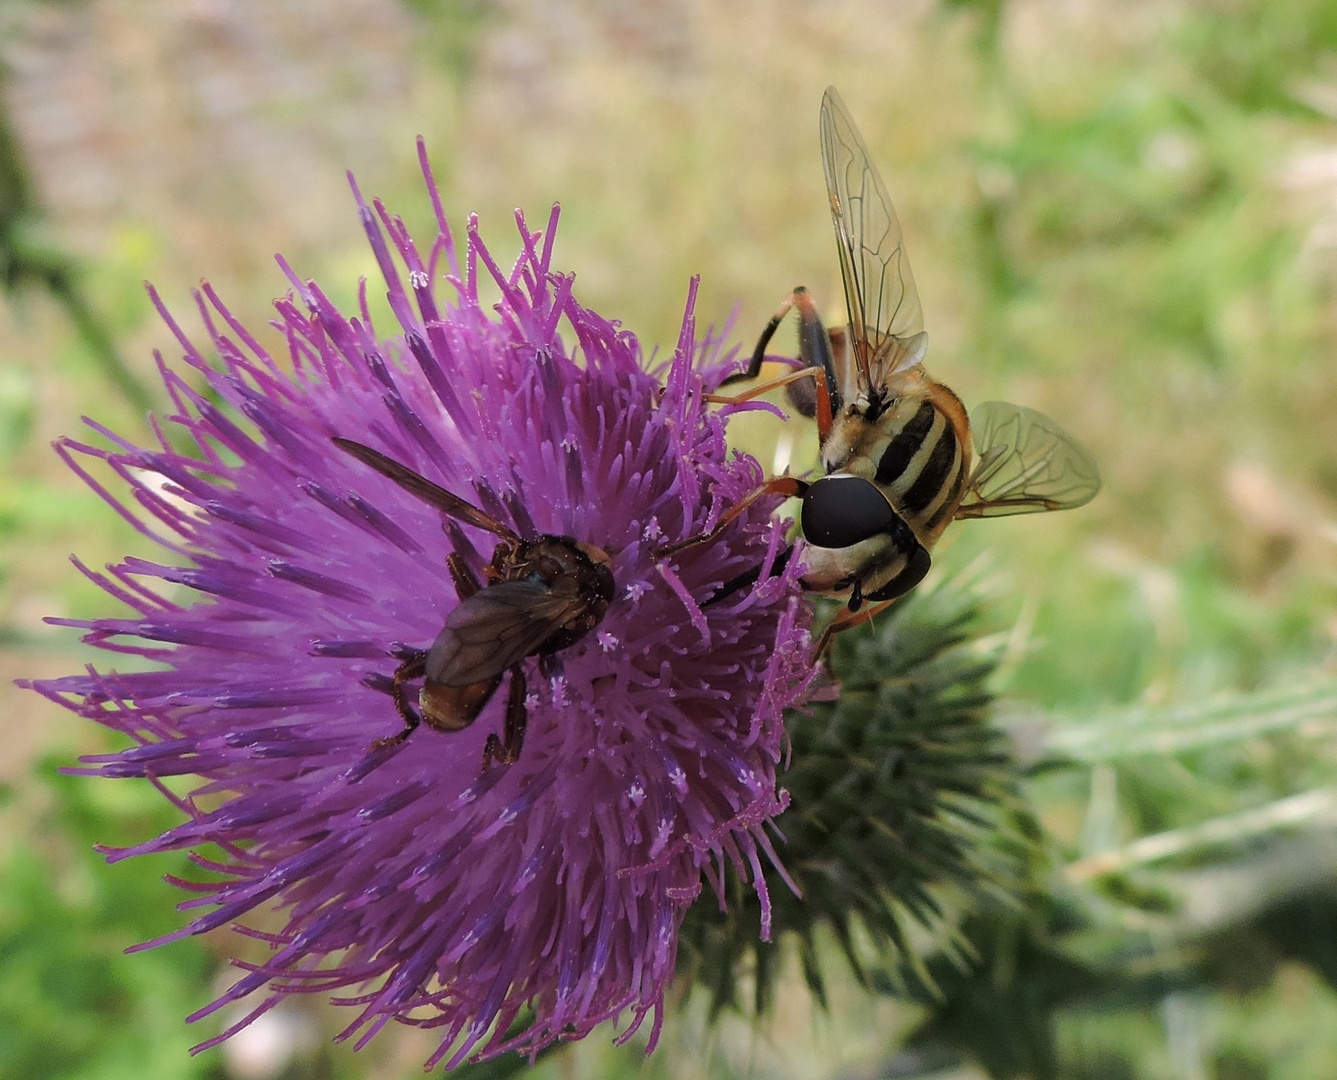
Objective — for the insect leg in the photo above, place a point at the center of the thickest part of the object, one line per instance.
(816, 347)
(748, 577)
(765, 388)
(759, 353)
(847, 620)
(466, 583)
(815, 350)
(410, 669)
(506, 750)
(758, 356)
(788, 486)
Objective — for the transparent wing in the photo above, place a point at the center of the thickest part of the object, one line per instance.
(1027, 463)
(495, 628)
(879, 287)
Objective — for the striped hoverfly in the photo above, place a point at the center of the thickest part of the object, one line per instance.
(895, 444)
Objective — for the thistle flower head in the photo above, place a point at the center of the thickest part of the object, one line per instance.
(412, 882)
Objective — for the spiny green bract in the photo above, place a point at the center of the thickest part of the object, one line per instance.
(901, 795)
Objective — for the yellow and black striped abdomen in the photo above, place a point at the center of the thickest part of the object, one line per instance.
(919, 453)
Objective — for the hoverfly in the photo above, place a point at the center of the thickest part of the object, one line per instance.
(895, 444)
(541, 595)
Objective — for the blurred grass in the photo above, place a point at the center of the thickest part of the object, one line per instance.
(70, 1003)
(1124, 215)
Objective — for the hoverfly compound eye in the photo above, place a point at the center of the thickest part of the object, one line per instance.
(840, 511)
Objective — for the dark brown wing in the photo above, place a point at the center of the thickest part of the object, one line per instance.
(498, 627)
(879, 286)
(424, 489)
(1027, 464)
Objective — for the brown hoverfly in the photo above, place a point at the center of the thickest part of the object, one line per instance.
(895, 444)
(541, 595)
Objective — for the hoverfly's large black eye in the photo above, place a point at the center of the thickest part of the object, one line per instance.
(839, 511)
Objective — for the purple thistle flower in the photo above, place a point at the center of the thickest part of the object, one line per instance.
(418, 885)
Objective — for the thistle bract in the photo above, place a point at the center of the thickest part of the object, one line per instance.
(411, 882)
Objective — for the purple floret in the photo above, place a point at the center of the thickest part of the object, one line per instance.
(415, 884)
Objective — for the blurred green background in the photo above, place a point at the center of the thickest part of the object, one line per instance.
(1123, 214)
